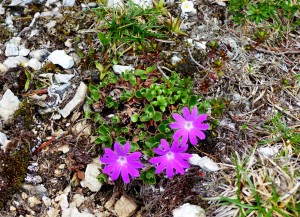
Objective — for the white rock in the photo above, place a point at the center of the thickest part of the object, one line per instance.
(41, 55)
(114, 3)
(47, 201)
(125, 207)
(175, 59)
(200, 45)
(227, 123)
(50, 2)
(83, 128)
(33, 201)
(90, 176)
(61, 58)
(64, 148)
(36, 190)
(53, 212)
(2, 10)
(143, 3)
(63, 78)
(204, 162)
(33, 33)
(118, 69)
(12, 62)
(3, 68)
(221, 3)
(62, 199)
(23, 51)
(67, 3)
(11, 50)
(15, 40)
(77, 100)
(92, 4)
(268, 151)
(73, 212)
(8, 105)
(189, 210)
(51, 24)
(78, 199)
(34, 63)
(8, 20)
(47, 14)
(3, 138)
(68, 43)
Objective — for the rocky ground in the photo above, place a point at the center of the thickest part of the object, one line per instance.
(49, 157)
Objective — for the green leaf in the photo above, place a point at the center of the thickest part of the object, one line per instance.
(150, 69)
(134, 147)
(192, 101)
(121, 140)
(144, 117)
(132, 80)
(149, 96)
(149, 110)
(104, 38)
(28, 79)
(138, 94)
(157, 116)
(139, 72)
(134, 117)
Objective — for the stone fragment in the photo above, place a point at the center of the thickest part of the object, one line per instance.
(268, 151)
(53, 212)
(35, 190)
(33, 201)
(34, 63)
(77, 100)
(47, 201)
(63, 78)
(12, 62)
(3, 68)
(61, 58)
(41, 55)
(11, 50)
(125, 207)
(8, 105)
(175, 59)
(189, 210)
(204, 162)
(2, 9)
(73, 212)
(67, 3)
(90, 176)
(118, 69)
(23, 51)
(78, 199)
(83, 128)
(3, 138)
(51, 24)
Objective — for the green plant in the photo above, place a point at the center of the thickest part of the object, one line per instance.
(255, 191)
(148, 176)
(130, 24)
(141, 113)
(174, 24)
(281, 132)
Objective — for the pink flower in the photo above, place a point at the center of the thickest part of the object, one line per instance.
(122, 162)
(171, 158)
(190, 126)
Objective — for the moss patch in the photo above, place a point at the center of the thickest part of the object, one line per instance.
(13, 166)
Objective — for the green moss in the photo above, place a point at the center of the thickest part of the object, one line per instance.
(5, 34)
(23, 117)
(13, 171)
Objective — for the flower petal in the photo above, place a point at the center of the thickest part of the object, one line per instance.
(135, 164)
(110, 153)
(125, 176)
(107, 160)
(200, 119)
(202, 126)
(170, 171)
(135, 156)
(178, 167)
(193, 137)
(178, 118)
(160, 167)
(179, 133)
(156, 160)
(176, 125)
(186, 114)
(198, 133)
(194, 114)
(133, 172)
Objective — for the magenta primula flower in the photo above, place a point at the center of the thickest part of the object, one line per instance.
(190, 126)
(171, 158)
(120, 161)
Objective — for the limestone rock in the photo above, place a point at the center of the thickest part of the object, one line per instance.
(90, 176)
(61, 58)
(189, 210)
(125, 207)
(8, 105)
